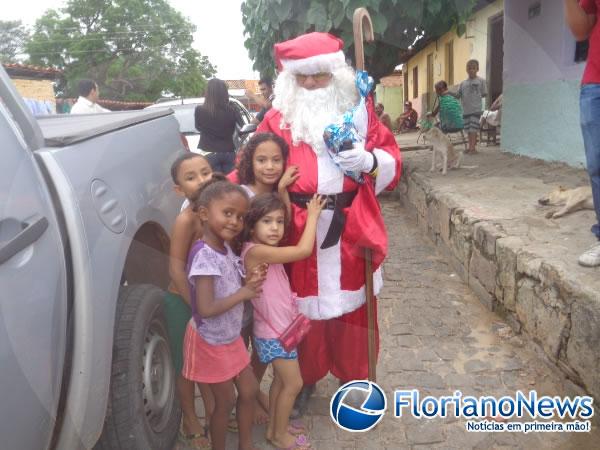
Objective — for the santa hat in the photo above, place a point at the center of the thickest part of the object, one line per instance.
(310, 53)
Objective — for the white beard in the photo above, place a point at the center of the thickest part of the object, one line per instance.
(308, 112)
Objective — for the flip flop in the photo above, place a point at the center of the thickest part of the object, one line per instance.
(196, 441)
(296, 427)
(301, 443)
(232, 425)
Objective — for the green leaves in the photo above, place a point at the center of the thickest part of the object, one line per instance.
(282, 9)
(269, 21)
(12, 38)
(135, 49)
(380, 23)
(317, 15)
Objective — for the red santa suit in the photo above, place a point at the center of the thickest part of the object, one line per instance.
(331, 283)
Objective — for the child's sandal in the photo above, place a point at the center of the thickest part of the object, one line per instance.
(296, 427)
(232, 425)
(301, 443)
(195, 441)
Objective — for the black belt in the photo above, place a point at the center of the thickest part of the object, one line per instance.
(335, 202)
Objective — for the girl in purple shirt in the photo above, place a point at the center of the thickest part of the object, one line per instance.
(214, 352)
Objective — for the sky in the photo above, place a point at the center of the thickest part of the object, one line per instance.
(219, 35)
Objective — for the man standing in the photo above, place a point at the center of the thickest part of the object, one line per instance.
(314, 88)
(265, 86)
(88, 98)
(582, 17)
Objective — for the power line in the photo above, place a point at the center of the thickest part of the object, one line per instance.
(107, 50)
(111, 33)
(93, 39)
(129, 27)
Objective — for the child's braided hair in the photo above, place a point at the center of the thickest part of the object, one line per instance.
(213, 189)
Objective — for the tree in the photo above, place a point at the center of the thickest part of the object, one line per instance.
(136, 50)
(12, 38)
(397, 25)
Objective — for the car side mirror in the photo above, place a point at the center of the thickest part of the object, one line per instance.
(248, 128)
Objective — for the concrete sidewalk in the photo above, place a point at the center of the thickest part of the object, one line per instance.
(487, 223)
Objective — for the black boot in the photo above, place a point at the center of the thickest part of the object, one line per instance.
(301, 403)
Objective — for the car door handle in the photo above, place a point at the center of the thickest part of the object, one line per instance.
(31, 232)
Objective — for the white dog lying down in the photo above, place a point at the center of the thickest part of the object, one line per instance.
(442, 145)
(571, 200)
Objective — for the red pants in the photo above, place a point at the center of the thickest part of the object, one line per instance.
(338, 346)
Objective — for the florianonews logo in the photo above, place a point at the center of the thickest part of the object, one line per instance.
(358, 406)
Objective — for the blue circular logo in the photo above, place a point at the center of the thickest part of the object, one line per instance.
(346, 413)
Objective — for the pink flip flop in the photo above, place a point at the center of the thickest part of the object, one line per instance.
(301, 443)
(296, 427)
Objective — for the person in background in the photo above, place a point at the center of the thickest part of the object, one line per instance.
(449, 109)
(492, 116)
(470, 93)
(408, 119)
(87, 103)
(582, 18)
(216, 120)
(383, 116)
(265, 86)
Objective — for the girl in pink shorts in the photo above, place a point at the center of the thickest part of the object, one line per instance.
(214, 352)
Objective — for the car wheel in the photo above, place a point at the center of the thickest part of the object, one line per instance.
(143, 410)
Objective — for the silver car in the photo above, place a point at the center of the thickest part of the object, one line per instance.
(184, 113)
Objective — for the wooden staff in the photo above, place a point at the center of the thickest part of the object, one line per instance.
(363, 31)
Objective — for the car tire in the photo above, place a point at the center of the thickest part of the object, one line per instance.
(143, 410)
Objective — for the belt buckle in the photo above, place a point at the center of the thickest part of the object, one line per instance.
(331, 201)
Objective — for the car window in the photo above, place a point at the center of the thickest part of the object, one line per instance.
(185, 117)
(245, 116)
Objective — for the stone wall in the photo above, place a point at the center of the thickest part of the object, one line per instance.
(562, 317)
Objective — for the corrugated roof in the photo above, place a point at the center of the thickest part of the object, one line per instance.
(27, 70)
(107, 102)
(116, 105)
(251, 85)
(236, 84)
(421, 44)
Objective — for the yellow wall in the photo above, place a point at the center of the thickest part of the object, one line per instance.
(391, 97)
(42, 90)
(472, 45)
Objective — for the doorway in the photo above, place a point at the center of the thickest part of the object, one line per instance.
(430, 89)
(495, 56)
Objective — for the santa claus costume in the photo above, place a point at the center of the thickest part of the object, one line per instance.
(331, 283)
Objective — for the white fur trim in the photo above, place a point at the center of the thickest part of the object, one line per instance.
(330, 176)
(361, 119)
(327, 62)
(332, 301)
(323, 307)
(386, 169)
(329, 261)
